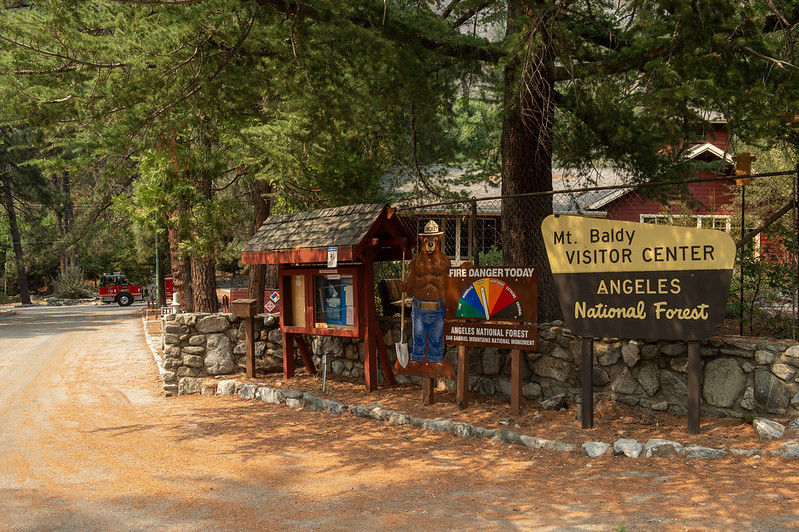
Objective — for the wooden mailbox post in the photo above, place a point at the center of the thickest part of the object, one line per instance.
(247, 309)
(325, 262)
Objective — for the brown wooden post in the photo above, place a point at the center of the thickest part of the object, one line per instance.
(427, 392)
(694, 369)
(515, 382)
(367, 305)
(288, 355)
(462, 394)
(587, 374)
(246, 309)
(249, 340)
(305, 354)
(388, 370)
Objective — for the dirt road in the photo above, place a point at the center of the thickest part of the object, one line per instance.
(87, 442)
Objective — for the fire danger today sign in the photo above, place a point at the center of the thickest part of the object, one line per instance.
(489, 306)
(626, 279)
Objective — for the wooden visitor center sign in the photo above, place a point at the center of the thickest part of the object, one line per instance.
(486, 306)
(633, 280)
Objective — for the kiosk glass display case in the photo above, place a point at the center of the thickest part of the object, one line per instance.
(322, 301)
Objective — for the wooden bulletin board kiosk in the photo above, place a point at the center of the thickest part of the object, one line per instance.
(325, 264)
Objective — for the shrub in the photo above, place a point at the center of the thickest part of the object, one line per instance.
(71, 284)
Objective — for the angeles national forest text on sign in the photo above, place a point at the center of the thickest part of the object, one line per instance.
(627, 279)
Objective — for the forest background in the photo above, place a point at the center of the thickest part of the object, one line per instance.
(140, 128)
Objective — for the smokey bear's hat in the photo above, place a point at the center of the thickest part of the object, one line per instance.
(431, 229)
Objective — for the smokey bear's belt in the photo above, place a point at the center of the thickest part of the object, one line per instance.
(428, 305)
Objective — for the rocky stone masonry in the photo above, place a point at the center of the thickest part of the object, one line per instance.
(741, 377)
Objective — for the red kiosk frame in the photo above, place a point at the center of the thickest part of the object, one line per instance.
(300, 245)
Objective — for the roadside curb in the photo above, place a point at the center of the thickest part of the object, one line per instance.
(626, 447)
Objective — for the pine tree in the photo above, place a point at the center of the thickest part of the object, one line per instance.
(317, 98)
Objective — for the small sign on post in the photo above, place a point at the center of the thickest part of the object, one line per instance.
(492, 307)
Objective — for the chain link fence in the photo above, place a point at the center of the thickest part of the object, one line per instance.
(759, 213)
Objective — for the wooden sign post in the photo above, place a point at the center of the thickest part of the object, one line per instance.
(246, 309)
(587, 378)
(632, 280)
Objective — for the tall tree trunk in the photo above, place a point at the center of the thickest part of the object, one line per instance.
(181, 268)
(259, 192)
(65, 218)
(22, 277)
(203, 268)
(162, 268)
(527, 153)
(203, 284)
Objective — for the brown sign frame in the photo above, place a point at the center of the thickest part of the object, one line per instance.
(633, 280)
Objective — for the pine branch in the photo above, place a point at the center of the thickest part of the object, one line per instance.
(779, 62)
(228, 57)
(72, 60)
(156, 2)
(464, 18)
(56, 70)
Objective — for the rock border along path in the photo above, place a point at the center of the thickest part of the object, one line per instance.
(654, 448)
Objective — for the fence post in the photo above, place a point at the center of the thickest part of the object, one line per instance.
(743, 233)
(473, 251)
(795, 254)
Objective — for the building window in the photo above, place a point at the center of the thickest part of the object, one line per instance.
(719, 222)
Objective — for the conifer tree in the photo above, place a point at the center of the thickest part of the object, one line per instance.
(297, 92)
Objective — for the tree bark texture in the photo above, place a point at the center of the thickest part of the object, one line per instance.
(527, 153)
(19, 257)
(203, 266)
(203, 284)
(162, 256)
(181, 268)
(262, 203)
(65, 220)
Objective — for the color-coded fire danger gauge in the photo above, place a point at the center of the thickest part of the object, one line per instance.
(489, 299)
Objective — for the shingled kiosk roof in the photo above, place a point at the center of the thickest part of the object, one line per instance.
(305, 237)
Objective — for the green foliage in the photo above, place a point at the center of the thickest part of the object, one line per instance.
(492, 257)
(71, 284)
(769, 276)
(173, 110)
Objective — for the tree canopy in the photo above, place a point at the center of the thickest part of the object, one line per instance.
(183, 105)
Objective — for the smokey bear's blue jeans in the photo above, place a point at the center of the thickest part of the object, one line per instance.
(428, 328)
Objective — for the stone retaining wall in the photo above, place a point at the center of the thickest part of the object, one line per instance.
(741, 377)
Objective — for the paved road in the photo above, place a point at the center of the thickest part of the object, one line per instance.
(88, 442)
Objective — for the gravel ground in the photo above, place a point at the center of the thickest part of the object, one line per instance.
(90, 443)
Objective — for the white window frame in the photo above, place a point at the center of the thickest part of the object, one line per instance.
(700, 220)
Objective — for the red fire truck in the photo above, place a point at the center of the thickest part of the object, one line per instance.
(114, 288)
